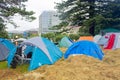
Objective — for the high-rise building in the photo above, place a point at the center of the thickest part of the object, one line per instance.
(48, 19)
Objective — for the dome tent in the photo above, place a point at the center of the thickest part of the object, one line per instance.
(109, 30)
(65, 42)
(85, 47)
(89, 38)
(20, 39)
(104, 39)
(6, 47)
(43, 52)
(97, 38)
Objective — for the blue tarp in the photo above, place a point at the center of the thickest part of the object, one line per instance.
(85, 47)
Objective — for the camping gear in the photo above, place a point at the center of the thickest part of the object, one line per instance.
(104, 39)
(90, 38)
(113, 41)
(38, 51)
(97, 38)
(85, 47)
(6, 47)
(65, 42)
(110, 42)
(109, 30)
(20, 39)
(117, 41)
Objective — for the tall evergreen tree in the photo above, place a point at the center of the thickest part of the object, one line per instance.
(3, 33)
(79, 12)
(9, 8)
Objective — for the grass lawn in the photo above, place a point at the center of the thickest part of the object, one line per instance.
(3, 65)
(21, 68)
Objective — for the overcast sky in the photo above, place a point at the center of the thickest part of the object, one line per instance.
(38, 6)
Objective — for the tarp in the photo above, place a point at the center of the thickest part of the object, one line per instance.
(85, 47)
(65, 42)
(6, 47)
(90, 38)
(43, 52)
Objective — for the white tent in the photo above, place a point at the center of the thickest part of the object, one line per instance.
(117, 41)
(20, 39)
(96, 38)
(103, 40)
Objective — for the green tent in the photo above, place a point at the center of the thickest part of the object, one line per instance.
(65, 42)
(111, 30)
(107, 30)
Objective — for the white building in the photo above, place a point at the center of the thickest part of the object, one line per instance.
(48, 19)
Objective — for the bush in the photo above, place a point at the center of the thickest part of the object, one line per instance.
(74, 36)
(59, 37)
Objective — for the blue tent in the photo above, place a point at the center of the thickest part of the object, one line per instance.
(6, 47)
(85, 47)
(43, 51)
(65, 42)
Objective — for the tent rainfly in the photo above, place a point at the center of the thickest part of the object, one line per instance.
(40, 51)
(65, 42)
(85, 47)
(6, 47)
